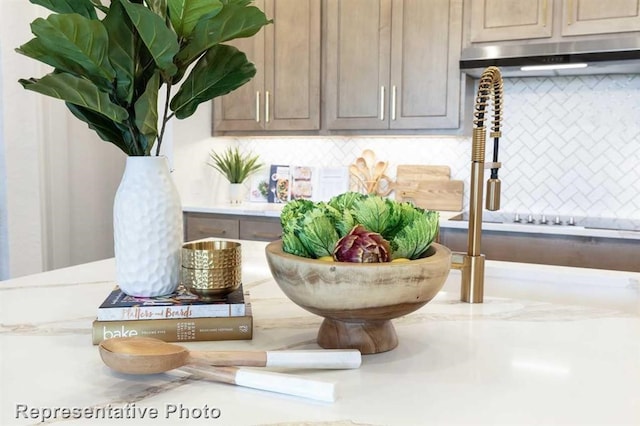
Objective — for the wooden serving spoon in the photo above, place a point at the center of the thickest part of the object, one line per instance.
(145, 355)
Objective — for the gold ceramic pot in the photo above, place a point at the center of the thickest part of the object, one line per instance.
(211, 268)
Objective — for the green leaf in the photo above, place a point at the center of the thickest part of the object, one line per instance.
(221, 70)
(233, 21)
(85, 8)
(377, 214)
(318, 234)
(185, 14)
(34, 49)
(108, 130)
(81, 40)
(146, 108)
(413, 240)
(122, 50)
(77, 91)
(158, 7)
(160, 40)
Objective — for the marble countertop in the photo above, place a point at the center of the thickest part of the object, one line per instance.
(550, 345)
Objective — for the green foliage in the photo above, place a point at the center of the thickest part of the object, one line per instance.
(236, 167)
(419, 229)
(313, 229)
(110, 66)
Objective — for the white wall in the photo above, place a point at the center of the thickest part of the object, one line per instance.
(60, 177)
(4, 225)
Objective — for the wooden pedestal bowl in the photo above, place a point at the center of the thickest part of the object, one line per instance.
(358, 300)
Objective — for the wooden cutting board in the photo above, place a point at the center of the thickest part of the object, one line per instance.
(407, 173)
(429, 187)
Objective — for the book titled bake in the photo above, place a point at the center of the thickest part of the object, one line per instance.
(181, 304)
(178, 330)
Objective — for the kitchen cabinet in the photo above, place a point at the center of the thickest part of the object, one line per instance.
(285, 92)
(392, 64)
(244, 227)
(581, 17)
(549, 249)
(504, 20)
(497, 20)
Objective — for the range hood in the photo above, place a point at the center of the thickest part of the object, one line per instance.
(608, 56)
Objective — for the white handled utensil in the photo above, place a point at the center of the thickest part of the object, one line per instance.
(144, 355)
(269, 381)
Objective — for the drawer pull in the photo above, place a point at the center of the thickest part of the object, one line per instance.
(266, 235)
(212, 231)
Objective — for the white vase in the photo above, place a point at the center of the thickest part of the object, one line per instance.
(236, 193)
(147, 222)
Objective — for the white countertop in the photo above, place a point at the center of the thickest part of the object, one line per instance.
(550, 345)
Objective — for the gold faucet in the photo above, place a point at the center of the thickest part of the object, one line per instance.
(471, 264)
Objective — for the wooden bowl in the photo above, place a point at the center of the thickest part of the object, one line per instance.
(358, 300)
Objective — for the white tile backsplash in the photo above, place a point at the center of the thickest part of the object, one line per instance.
(570, 146)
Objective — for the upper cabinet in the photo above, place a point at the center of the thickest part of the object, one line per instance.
(504, 20)
(494, 20)
(285, 92)
(580, 17)
(392, 64)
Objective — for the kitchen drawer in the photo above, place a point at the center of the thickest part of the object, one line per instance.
(197, 226)
(548, 249)
(260, 230)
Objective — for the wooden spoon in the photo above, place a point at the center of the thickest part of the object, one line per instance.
(145, 355)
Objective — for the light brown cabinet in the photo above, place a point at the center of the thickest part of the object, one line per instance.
(505, 20)
(285, 92)
(214, 225)
(392, 64)
(497, 20)
(550, 249)
(580, 17)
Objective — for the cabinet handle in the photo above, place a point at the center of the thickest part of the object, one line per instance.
(266, 235)
(544, 13)
(570, 12)
(393, 103)
(381, 103)
(212, 231)
(257, 107)
(266, 106)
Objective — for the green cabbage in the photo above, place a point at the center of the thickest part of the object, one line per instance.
(312, 229)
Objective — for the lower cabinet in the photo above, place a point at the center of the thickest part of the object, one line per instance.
(563, 250)
(213, 225)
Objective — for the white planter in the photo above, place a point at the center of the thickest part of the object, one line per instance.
(147, 221)
(236, 193)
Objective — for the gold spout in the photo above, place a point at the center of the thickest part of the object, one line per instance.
(472, 264)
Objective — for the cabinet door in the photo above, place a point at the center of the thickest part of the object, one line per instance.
(425, 71)
(285, 92)
(497, 20)
(581, 17)
(357, 52)
(242, 108)
(292, 71)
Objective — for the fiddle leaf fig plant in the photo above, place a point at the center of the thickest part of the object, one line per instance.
(110, 62)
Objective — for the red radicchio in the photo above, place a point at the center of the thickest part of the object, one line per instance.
(362, 246)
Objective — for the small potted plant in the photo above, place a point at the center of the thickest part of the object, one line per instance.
(236, 167)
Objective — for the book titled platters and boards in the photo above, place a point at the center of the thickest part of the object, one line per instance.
(119, 306)
(179, 330)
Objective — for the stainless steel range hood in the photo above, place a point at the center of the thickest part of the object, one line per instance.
(608, 56)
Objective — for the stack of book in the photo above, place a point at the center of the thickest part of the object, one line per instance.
(178, 317)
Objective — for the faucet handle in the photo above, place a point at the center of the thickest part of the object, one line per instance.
(493, 194)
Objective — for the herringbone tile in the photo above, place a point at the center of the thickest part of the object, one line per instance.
(570, 146)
